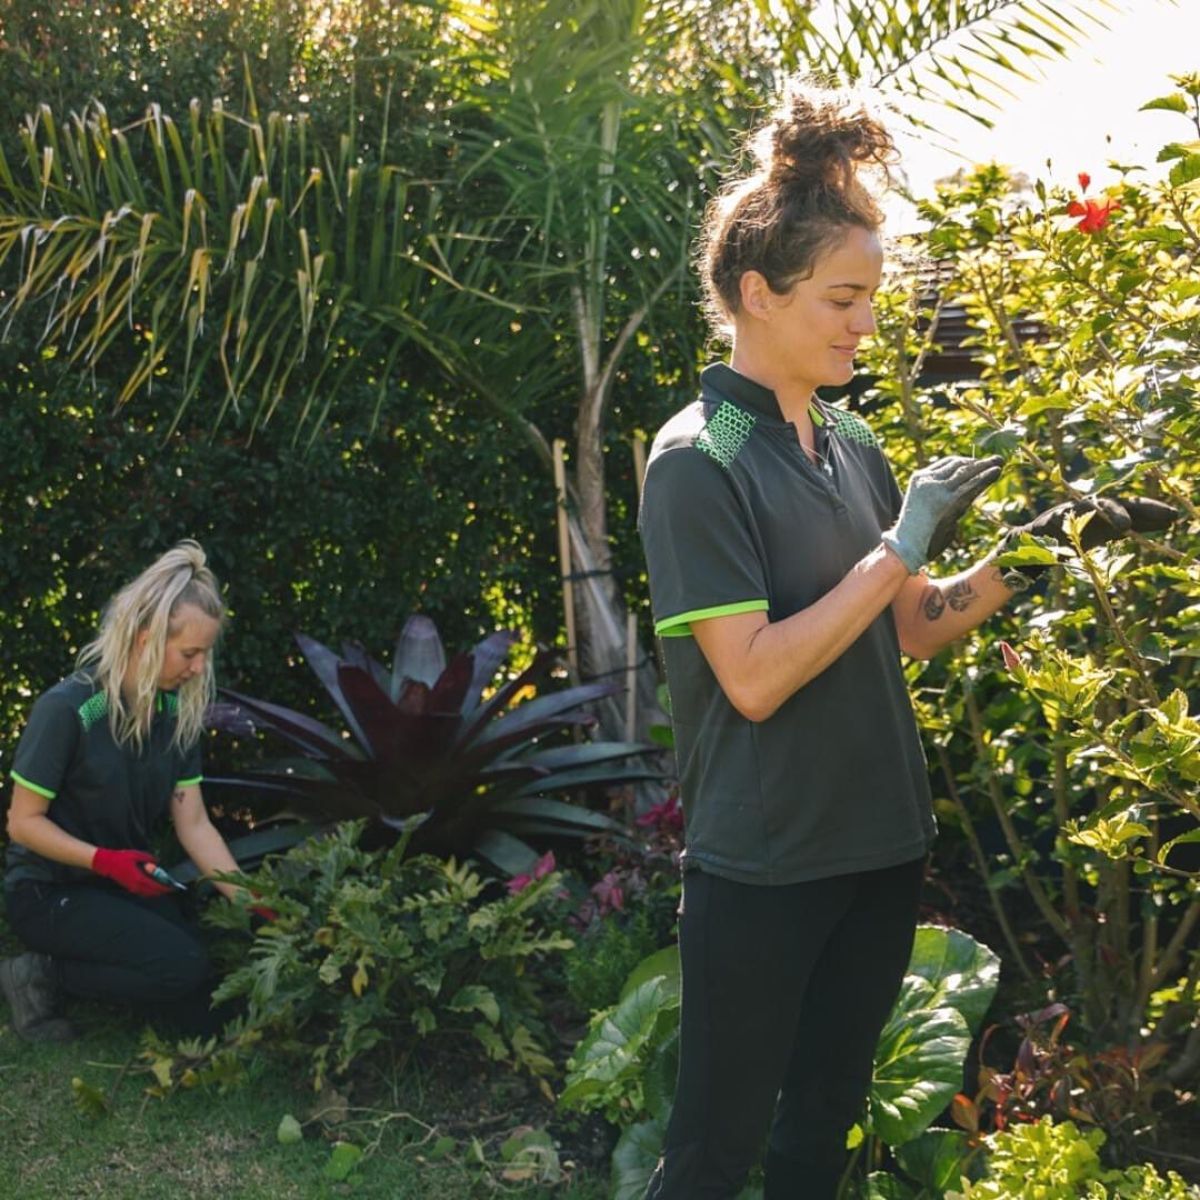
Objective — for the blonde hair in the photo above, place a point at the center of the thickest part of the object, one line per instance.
(811, 159)
(150, 603)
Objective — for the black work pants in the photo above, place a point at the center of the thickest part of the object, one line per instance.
(785, 991)
(141, 953)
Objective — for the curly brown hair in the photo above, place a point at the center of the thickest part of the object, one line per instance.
(805, 191)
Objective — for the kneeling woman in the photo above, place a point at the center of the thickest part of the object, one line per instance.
(106, 755)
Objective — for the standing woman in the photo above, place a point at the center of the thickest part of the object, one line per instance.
(108, 753)
(786, 578)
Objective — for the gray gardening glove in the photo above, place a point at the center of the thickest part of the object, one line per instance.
(1111, 519)
(936, 498)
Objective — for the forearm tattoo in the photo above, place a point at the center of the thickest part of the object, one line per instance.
(960, 596)
(178, 796)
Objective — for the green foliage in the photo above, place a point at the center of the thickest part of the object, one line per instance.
(1044, 1161)
(1067, 762)
(919, 1059)
(604, 957)
(369, 945)
(299, 539)
(625, 1066)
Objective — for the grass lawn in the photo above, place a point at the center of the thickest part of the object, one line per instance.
(199, 1144)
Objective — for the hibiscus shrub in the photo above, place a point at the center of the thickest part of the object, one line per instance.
(1065, 771)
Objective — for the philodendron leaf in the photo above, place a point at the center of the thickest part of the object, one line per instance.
(635, 1157)
(618, 1041)
(918, 1063)
(882, 1186)
(964, 972)
(663, 962)
(658, 1082)
(937, 1160)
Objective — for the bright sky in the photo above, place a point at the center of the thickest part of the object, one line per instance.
(1083, 112)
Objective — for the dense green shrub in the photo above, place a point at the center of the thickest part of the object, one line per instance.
(437, 512)
(368, 946)
(606, 954)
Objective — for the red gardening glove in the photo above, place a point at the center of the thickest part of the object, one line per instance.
(261, 911)
(128, 868)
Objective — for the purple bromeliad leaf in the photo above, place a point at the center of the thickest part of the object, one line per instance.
(419, 654)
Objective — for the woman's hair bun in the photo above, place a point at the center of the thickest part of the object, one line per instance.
(819, 136)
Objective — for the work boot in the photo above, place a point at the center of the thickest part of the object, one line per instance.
(28, 985)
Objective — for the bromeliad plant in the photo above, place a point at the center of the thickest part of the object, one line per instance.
(430, 754)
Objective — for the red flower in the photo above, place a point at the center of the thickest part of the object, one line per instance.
(541, 868)
(1094, 213)
(666, 816)
(1085, 180)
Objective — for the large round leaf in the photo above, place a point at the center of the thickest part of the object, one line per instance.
(938, 1159)
(620, 1042)
(918, 1063)
(664, 963)
(964, 972)
(635, 1157)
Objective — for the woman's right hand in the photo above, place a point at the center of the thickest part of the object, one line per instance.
(128, 868)
(936, 499)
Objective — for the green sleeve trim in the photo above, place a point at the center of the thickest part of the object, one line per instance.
(190, 782)
(33, 787)
(681, 625)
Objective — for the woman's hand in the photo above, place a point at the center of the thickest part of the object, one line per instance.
(936, 499)
(129, 869)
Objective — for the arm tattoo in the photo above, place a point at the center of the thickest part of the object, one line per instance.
(934, 603)
(178, 796)
(961, 596)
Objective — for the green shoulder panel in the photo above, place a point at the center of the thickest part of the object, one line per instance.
(725, 433)
(848, 425)
(93, 709)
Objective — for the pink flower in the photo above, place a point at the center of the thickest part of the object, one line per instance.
(541, 868)
(1012, 660)
(666, 816)
(609, 893)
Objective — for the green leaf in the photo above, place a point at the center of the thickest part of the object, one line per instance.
(964, 973)
(664, 963)
(619, 1041)
(343, 1159)
(1185, 171)
(88, 1099)
(882, 1186)
(1026, 552)
(477, 998)
(1175, 102)
(289, 1131)
(918, 1063)
(936, 1160)
(634, 1158)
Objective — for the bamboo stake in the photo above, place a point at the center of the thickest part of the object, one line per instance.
(639, 462)
(630, 675)
(564, 555)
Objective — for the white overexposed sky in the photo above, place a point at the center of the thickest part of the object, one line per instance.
(1082, 111)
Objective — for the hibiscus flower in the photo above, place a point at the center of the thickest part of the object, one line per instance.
(1093, 214)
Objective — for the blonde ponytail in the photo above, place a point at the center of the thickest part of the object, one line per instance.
(150, 603)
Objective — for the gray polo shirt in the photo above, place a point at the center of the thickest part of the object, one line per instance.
(108, 794)
(736, 518)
